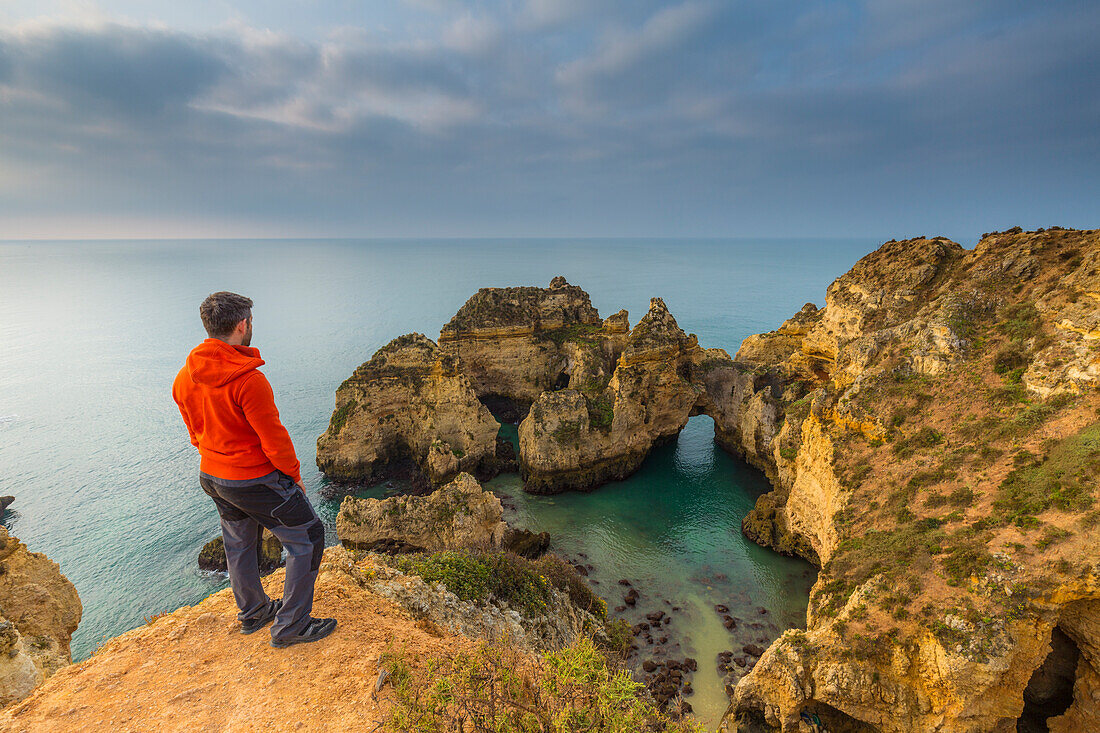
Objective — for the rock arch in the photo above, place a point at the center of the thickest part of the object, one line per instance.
(592, 396)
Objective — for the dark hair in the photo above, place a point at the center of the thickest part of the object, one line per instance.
(222, 311)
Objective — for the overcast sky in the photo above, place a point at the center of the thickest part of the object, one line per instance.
(880, 118)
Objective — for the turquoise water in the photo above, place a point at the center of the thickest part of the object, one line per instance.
(93, 449)
(673, 530)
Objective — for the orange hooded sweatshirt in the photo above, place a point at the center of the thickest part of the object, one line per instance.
(230, 413)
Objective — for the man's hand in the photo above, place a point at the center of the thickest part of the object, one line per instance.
(299, 485)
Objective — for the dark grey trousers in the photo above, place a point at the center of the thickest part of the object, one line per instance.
(273, 501)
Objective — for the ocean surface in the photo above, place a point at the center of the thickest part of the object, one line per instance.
(105, 480)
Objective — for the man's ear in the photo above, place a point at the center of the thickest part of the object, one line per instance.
(242, 326)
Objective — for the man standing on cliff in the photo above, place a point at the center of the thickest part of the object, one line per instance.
(250, 470)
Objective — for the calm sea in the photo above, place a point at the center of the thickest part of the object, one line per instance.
(93, 449)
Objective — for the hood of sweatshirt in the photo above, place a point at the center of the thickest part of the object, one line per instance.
(215, 362)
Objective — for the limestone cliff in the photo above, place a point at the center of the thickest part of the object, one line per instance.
(39, 611)
(931, 436)
(408, 406)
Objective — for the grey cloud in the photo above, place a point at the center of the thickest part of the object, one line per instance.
(117, 69)
(590, 80)
(396, 68)
(5, 63)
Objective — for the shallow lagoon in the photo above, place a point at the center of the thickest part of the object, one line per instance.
(673, 529)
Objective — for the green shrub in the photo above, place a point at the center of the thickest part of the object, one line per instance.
(1051, 535)
(464, 574)
(495, 689)
(1020, 321)
(601, 412)
(619, 636)
(1009, 358)
(562, 576)
(1063, 480)
(923, 439)
(568, 431)
(928, 478)
(580, 333)
(966, 559)
(523, 584)
(341, 415)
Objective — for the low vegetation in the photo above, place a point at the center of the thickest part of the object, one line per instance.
(1063, 479)
(340, 416)
(523, 584)
(496, 690)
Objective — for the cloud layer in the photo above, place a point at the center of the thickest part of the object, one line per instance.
(557, 118)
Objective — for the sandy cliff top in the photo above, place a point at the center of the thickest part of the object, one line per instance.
(192, 671)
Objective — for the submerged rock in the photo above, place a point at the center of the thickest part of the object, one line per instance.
(212, 554)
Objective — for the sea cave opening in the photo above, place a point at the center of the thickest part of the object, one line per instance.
(1049, 693)
(561, 382)
(505, 409)
(819, 717)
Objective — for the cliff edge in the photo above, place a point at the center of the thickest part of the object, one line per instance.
(39, 611)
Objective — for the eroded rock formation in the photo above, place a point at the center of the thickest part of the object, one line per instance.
(409, 404)
(931, 436)
(603, 425)
(459, 515)
(516, 343)
(39, 611)
(594, 395)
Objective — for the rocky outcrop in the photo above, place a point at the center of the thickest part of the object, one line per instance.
(39, 611)
(931, 438)
(5, 502)
(212, 554)
(585, 435)
(516, 343)
(603, 395)
(458, 515)
(176, 672)
(409, 407)
(561, 623)
(594, 395)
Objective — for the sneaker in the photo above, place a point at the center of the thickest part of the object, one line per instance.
(315, 630)
(250, 625)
